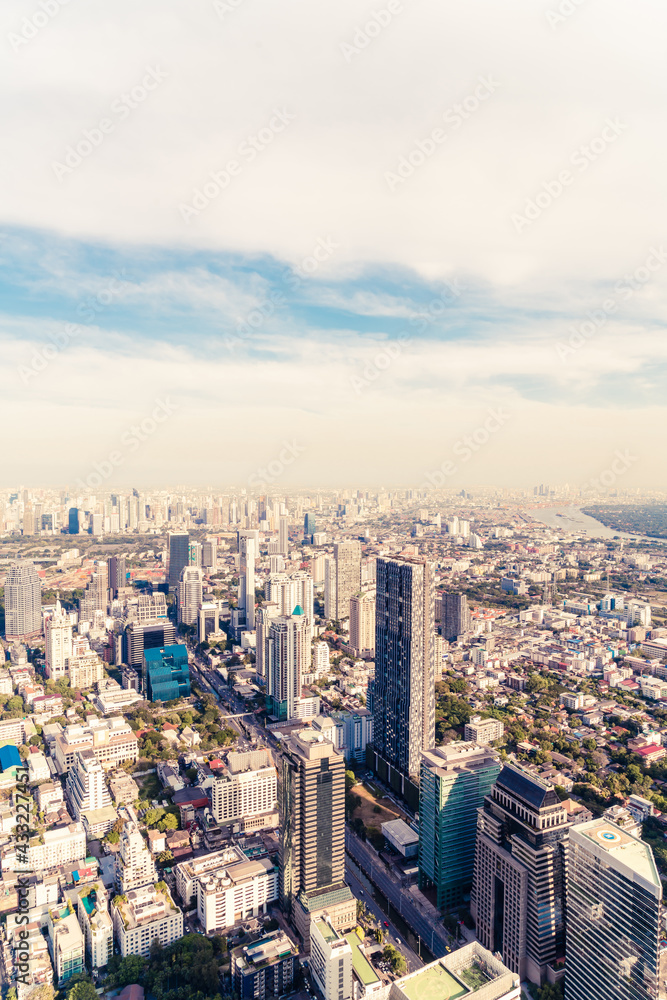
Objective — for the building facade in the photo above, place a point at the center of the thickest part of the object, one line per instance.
(23, 601)
(247, 788)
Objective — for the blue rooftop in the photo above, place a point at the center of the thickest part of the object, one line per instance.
(9, 757)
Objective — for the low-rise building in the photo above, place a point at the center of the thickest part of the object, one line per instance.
(480, 730)
(112, 741)
(471, 972)
(60, 846)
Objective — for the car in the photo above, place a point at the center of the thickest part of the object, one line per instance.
(386, 923)
(398, 941)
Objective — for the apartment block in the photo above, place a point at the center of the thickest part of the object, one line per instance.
(266, 968)
(480, 730)
(246, 790)
(66, 943)
(92, 906)
(112, 741)
(330, 960)
(148, 914)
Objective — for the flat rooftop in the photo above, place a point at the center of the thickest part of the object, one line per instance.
(362, 967)
(434, 982)
(621, 846)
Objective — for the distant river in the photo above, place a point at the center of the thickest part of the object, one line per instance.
(572, 519)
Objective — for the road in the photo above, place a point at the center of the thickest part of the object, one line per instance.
(363, 889)
(434, 936)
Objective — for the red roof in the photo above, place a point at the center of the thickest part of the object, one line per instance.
(647, 751)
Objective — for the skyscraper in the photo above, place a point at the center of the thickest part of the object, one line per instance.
(248, 540)
(614, 911)
(23, 601)
(455, 616)
(311, 796)
(288, 657)
(179, 552)
(454, 781)
(518, 892)
(288, 590)
(116, 574)
(265, 614)
(58, 630)
(209, 555)
(190, 595)
(283, 535)
(404, 688)
(362, 624)
(344, 579)
(73, 521)
(309, 526)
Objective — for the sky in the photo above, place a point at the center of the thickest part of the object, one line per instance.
(354, 243)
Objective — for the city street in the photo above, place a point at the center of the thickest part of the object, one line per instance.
(363, 890)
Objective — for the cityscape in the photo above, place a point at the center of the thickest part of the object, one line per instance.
(333, 518)
(332, 744)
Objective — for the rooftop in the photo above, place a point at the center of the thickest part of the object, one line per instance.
(362, 967)
(626, 851)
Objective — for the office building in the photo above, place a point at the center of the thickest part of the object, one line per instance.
(311, 796)
(455, 779)
(85, 670)
(518, 891)
(188, 873)
(66, 942)
(480, 730)
(92, 907)
(73, 521)
(179, 557)
(148, 913)
(266, 968)
(614, 915)
(190, 594)
(246, 790)
(353, 732)
(195, 554)
(342, 579)
(404, 686)
(362, 625)
(166, 673)
(330, 960)
(455, 618)
(248, 542)
(209, 555)
(309, 526)
(23, 601)
(208, 619)
(117, 574)
(288, 658)
(58, 646)
(134, 862)
(138, 636)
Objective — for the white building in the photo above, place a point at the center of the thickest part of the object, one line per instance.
(480, 730)
(23, 601)
(330, 959)
(289, 590)
(56, 847)
(85, 670)
(362, 624)
(149, 914)
(38, 768)
(58, 648)
(236, 892)
(321, 658)
(135, 866)
(247, 790)
(288, 656)
(190, 592)
(66, 942)
(92, 907)
(112, 740)
(88, 794)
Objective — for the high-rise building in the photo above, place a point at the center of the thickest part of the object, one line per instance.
(134, 862)
(88, 794)
(362, 624)
(117, 572)
(139, 636)
(288, 590)
(311, 796)
(209, 555)
(518, 891)
(330, 959)
(23, 601)
(287, 659)
(455, 616)
(96, 595)
(404, 687)
(614, 915)
(265, 614)
(342, 579)
(92, 907)
(195, 554)
(247, 790)
(179, 556)
(58, 629)
(455, 779)
(248, 540)
(283, 536)
(190, 595)
(73, 521)
(309, 525)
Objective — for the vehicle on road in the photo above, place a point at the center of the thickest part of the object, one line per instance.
(386, 923)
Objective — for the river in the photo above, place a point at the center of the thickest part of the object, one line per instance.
(572, 519)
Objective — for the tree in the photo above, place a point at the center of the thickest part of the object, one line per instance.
(165, 857)
(83, 990)
(112, 837)
(169, 822)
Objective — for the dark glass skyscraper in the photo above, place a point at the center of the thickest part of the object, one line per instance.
(455, 616)
(179, 556)
(404, 687)
(73, 526)
(309, 528)
(116, 574)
